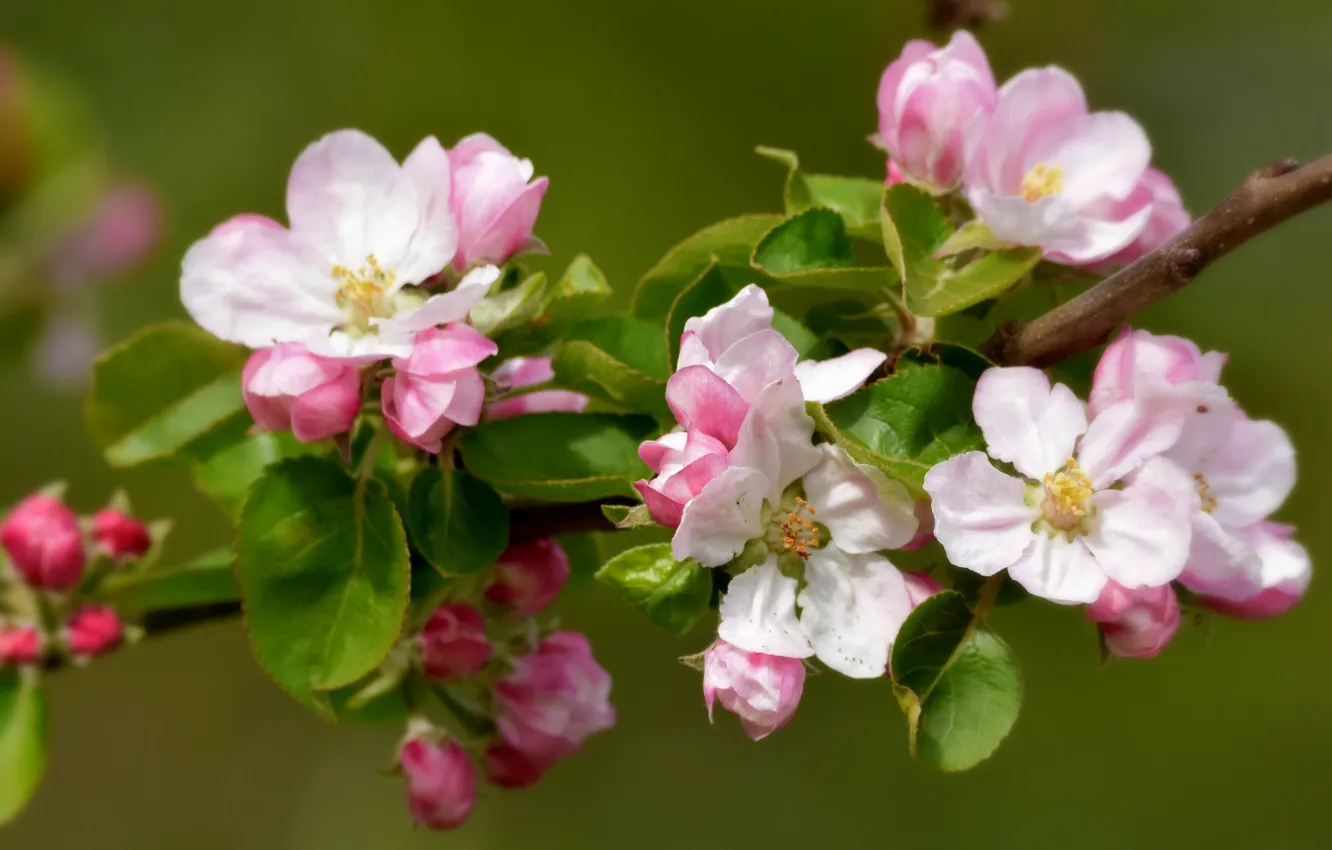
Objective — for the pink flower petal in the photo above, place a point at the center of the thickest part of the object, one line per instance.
(1026, 421)
(980, 514)
(700, 399)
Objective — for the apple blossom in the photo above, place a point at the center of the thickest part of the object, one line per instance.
(1167, 219)
(453, 642)
(529, 576)
(43, 541)
(763, 690)
(119, 535)
(441, 782)
(1284, 574)
(1062, 527)
(343, 279)
(93, 630)
(288, 388)
(437, 386)
(1139, 362)
(1044, 171)
(20, 645)
(519, 372)
(928, 98)
(495, 201)
(1135, 623)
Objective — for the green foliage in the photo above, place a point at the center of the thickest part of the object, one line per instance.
(727, 243)
(206, 580)
(579, 294)
(957, 681)
(457, 522)
(813, 249)
(323, 568)
(624, 516)
(22, 739)
(162, 392)
(674, 594)
(710, 289)
(905, 423)
(560, 457)
(227, 474)
(855, 199)
(620, 360)
(510, 308)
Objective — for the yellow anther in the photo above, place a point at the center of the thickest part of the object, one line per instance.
(363, 290)
(1204, 493)
(1067, 493)
(1043, 181)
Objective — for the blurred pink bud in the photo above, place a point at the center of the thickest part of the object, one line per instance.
(1136, 360)
(120, 535)
(524, 372)
(762, 690)
(928, 99)
(924, 526)
(529, 577)
(555, 699)
(454, 643)
(437, 387)
(894, 175)
(288, 388)
(119, 233)
(921, 586)
(509, 768)
(20, 646)
(1136, 623)
(493, 201)
(441, 783)
(1167, 219)
(93, 630)
(43, 540)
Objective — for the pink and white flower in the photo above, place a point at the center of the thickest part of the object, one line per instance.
(928, 98)
(1062, 527)
(343, 279)
(529, 576)
(437, 387)
(287, 388)
(495, 201)
(1284, 574)
(1045, 171)
(762, 690)
(1167, 220)
(1135, 623)
(518, 372)
(1139, 363)
(441, 782)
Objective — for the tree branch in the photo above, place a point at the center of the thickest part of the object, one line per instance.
(1264, 200)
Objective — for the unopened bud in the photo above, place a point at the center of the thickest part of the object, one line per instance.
(43, 540)
(120, 535)
(441, 782)
(20, 646)
(454, 643)
(529, 577)
(93, 630)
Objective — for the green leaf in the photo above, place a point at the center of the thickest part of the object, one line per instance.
(22, 739)
(580, 293)
(855, 199)
(972, 236)
(802, 339)
(206, 580)
(510, 308)
(957, 681)
(906, 423)
(323, 568)
(163, 390)
(228, 474)
(624, 516)
(560, 457)
(632, 341)
(812, 249)
(710, 289)
(583, 367)
(457, 522)
(965, 360)
(674, 594)
(726, 243)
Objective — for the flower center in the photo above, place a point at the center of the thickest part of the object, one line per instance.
(1043, 181)
(363, 293)
(1067, 493)
(1204, 493)
(793, 531)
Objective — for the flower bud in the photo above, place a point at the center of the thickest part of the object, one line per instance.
(524, 372)
(437, 386)
(762, 690)
(921, 586)
(441, 783)
(1136, 623)
(120, 535)
(20, 646)
(43, 540)
(554, 700)
(289, 389)
(509, 768)
(529, 577)
(494, 204)
(116, 235)
(454, 643)
(928, 99)
(93, 630)
(1137, 360)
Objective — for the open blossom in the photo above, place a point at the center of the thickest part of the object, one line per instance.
(928, 98)
(517, 372)
(342, 280)
(1139, 363)
(43, 541)
(20, 645)
(1044, 171)
(93, 630)
(288, 388)
(762, 690)
(120, 535)
(441, 782)
(453, 642)
(1061, 527)
(495, 200)
(437, 386)
(529, 576)
(1136, 623)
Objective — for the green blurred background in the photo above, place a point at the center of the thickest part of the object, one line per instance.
(645, 116)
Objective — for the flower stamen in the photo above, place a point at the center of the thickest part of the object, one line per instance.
(1204, 493)
(1042, 181)
(799, 533)
(1067, 494)
(363, 292)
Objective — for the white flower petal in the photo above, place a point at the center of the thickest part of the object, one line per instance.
(1126, 434)
(828, 380)
(980, 514)
(1220, 563)
(1060, 570)
(862, 508)
(1140, 535)
(758, 614)
(851, 609)
(776, 437)
(424, 184)
(1104, 156)
(722, 518)
(723, 326)
(1026, 421)
(336, 191)
(1252, 474)
(452, 306)
(1285, 563)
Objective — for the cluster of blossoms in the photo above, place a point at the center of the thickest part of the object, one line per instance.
(1037, 167)
(530, 700)
(55, 563)
(382, 264)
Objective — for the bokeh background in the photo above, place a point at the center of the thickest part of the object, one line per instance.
(645, 116)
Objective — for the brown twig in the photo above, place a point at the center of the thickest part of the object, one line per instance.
(1267, 198)
(965, 14)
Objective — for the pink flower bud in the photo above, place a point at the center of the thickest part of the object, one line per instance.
(554, 700)
(441, 783)
(524, 372)
(762, 690)
(119, 535)
(20, 646)
(928, 99)
(1136, 623)
(493, 201)
(1138, 359)
(921, 586)
(454, 643)
(894, 175)
(289, 389)
(509, 768)
(93, 630)
(529, 577)
(118, 234)
(437, 387)
(42, 538)
(685, 463)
